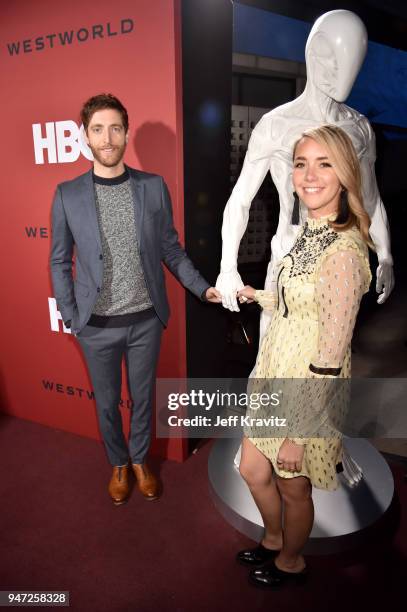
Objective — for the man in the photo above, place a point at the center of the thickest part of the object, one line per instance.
(118, 221)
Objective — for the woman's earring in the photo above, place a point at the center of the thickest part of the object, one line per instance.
(295, 217)
(343, 214)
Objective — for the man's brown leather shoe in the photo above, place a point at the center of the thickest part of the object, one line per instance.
(119, 485)
(146, 481)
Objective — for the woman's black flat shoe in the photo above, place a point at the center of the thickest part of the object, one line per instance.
(272, 577)
(256, 556)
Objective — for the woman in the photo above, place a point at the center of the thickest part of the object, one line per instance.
(319, 288)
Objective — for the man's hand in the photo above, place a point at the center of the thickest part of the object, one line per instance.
(213, 295)
(290, 456)
(384, 281)
(229, 283)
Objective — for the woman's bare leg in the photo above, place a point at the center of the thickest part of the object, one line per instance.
(298, 521)
(257, 471)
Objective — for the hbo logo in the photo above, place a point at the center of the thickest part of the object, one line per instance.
(62, 140)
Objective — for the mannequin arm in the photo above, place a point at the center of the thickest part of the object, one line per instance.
(236, 216)
(379, 229)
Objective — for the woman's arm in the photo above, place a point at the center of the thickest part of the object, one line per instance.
(266, 299)
(341, 281)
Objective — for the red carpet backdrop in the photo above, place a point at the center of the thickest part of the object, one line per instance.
(53, 57)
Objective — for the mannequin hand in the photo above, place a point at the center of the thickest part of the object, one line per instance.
(352, 472)
(290, 456)
(384, 280)
(248, 293)
(213, 295)
(238, 456)
(229, 283)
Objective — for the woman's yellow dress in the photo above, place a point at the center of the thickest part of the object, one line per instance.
(319, 287)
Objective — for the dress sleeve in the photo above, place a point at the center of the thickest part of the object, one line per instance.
(340, 284)
(341, 280)
(266, 299)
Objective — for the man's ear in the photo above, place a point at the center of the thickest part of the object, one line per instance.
(85, 134)
(127, 137)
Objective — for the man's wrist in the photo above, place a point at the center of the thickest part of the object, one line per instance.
(203, 294)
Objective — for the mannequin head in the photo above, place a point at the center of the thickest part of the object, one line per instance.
(334, 53)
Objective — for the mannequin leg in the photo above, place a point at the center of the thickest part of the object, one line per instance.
(298, 521)
(257, 471)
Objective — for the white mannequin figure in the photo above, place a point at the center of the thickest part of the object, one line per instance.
(335, 50)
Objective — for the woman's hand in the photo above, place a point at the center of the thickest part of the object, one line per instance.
(290, 456)
(246, 294)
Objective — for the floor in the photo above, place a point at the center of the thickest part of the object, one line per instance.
(59, 531)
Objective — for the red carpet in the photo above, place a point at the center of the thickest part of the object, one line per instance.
(59, 531)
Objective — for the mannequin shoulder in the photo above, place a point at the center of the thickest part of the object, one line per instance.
(276, 120)
(281, 127)
(265, 137)
(361, 123)
(364, 125)
(357, 126)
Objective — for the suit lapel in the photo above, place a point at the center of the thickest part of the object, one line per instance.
(87, 193)
(137, 187)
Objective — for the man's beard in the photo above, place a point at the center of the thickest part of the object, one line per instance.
(113, 159)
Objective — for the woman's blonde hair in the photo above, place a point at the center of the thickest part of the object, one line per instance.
(347, 168)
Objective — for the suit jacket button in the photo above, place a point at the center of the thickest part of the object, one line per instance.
(100, 256)
(98, 289)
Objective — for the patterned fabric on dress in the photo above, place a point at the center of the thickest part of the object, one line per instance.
(319, 288)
